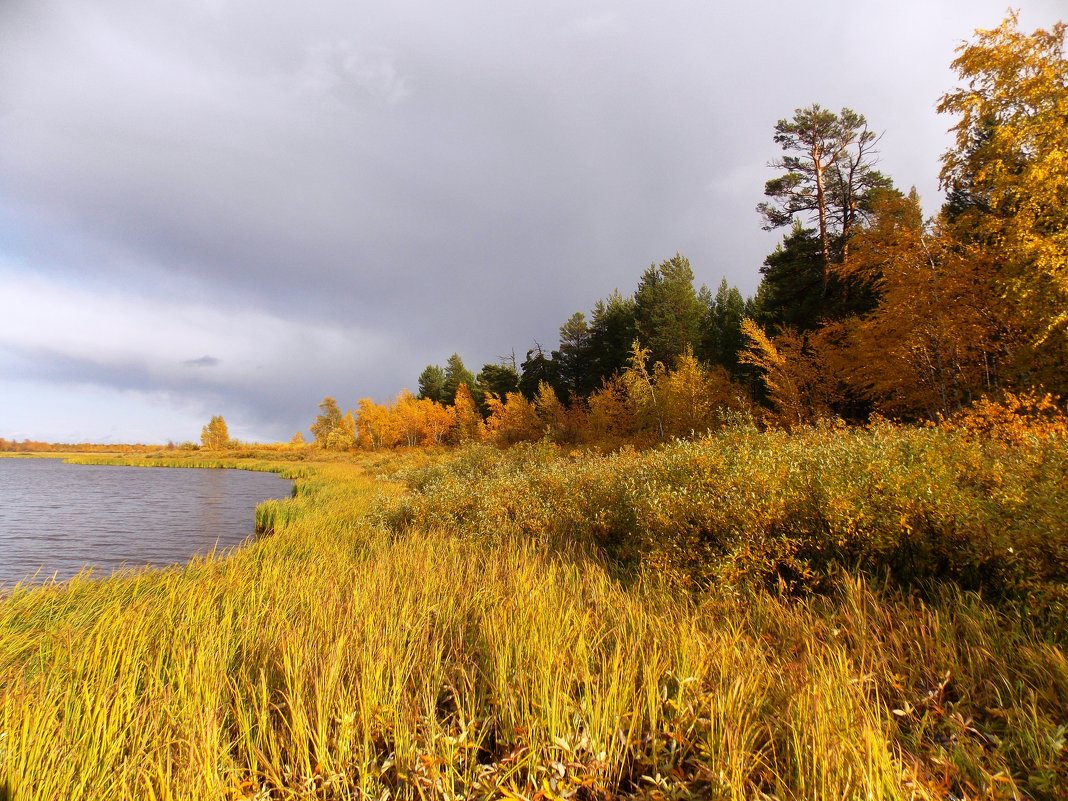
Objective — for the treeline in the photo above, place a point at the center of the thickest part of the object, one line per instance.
(34, 446)
(865, 307)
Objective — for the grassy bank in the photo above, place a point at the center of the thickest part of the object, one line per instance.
(494, 631)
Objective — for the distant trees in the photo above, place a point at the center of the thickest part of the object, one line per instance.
(457, 375)
(612, 330)
(497, 380)
(215, 435)
(721, 329)
(864, 306)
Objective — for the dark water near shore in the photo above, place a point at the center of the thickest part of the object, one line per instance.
(59, 517)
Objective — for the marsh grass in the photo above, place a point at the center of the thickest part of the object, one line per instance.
(432, 658)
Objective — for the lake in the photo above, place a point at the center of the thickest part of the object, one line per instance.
(60, 517)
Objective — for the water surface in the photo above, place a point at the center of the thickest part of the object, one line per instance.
(57, 518)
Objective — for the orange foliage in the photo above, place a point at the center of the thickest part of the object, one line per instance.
(932, 343)
(469, 426)
(794, 373)
(511, 421)
(1013, 418)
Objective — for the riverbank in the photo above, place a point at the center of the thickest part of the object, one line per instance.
(390, 639)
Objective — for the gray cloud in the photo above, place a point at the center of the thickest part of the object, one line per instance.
(456, 177)
(203, 361)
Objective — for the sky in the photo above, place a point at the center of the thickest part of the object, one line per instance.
(238, 207)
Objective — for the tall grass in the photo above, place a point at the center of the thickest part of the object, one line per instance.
(341, 658)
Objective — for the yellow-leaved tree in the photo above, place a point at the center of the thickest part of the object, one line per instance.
(694, 396)
(469, 426)
(376, 426)
(1007, 175)
(794, 373)
(438, 420)
(512, 420)
(333, 430)
(932, 343)
(215, 436)
(611, 419)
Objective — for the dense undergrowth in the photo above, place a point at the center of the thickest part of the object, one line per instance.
(833, 614)
(747, 507)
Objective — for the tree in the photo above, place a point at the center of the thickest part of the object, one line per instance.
(469, 426)
(215, 436)
(796, 379)
(512, 420)
(409, 417)
(438, 421)
(693, 397)
(612, 330)
(667, 310)
(572, 359)
(432, 384)
(497, 380)
(376, 426)
(455, 375)
(791, 289)
(830, 174)
(611, 417)
(332, 429)
(551, 413)
(643, 396)
(537, 369)
(1007, 175)
(297, 441)
(722, 327)
(932, 344)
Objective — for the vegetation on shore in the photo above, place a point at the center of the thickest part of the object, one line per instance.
(726, 594)
(535, 624)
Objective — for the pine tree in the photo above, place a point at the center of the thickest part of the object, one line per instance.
(611, 332)
(455, 376)
(432, 384)
(667, 310)
(722, 327)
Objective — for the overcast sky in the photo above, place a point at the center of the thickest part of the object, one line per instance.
(237, 207)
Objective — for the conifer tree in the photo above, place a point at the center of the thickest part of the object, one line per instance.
(432, 384)
(455, 376)
(611, 332)
(667, 310)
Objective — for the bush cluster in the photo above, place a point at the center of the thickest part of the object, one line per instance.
(744, 507)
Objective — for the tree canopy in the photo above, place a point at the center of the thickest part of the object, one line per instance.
(1007, 174)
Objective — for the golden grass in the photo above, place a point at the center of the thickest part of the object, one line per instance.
(341, 659)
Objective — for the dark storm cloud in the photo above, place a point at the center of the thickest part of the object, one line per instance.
(446, 177)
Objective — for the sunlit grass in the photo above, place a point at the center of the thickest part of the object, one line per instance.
(339, 658)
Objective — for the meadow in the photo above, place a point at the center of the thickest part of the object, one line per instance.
(832, 613)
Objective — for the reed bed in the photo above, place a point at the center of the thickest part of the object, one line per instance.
(363, 652)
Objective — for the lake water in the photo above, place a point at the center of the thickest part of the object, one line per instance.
(60, 517)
